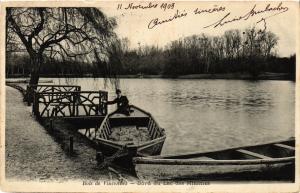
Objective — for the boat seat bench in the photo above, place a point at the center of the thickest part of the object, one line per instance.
(253, 154)
(285, 146)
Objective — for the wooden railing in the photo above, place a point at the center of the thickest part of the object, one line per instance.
(47, 88)
(69, 104)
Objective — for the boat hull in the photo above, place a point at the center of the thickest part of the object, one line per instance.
(122, 150)
(213, 170)
(151, 148)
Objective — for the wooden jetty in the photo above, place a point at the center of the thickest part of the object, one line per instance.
(84, 109)
(70, 104)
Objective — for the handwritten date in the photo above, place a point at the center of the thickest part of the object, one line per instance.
(150, 5)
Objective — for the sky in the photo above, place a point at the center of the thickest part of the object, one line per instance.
(134, 24)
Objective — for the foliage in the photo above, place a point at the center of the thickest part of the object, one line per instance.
(58, 33)
(250, 51)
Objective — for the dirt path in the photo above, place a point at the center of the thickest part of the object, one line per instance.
(33, 154)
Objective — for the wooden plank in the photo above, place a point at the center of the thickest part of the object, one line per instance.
(82, 117)
(154, 133)
(159, 132)
(105, 129)
(285, 146)
(108, 128)
(103, 135)
(253, 154)
(100, 134)
(203, 158)
(152, 129)
(106, 134)
(108, 123)
(150, 121)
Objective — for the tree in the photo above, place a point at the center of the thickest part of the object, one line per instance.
(270, 40)
(78, 33)
(257, 47)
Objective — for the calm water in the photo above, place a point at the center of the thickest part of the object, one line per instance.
(201, 115)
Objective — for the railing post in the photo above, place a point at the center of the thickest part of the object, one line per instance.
(77, 98)
(104, 105)
(99, 157)
(74, 98)
(99, 104)
(52, 90)
(71, 150)
(51, 125)
(35, 104)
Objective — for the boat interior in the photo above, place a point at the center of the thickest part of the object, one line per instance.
(268, 151)
(136, 128)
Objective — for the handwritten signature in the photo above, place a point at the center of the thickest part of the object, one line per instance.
(279, 9)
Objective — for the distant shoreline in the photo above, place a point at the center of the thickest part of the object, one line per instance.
(229, 76)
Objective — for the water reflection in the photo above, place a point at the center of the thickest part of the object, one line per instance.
(210, 114)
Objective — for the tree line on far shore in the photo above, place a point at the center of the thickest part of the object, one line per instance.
(250, 51)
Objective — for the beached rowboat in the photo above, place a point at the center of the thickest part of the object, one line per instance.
(137, 134)
(266, 161)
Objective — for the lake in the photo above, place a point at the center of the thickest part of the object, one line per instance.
(201, 115)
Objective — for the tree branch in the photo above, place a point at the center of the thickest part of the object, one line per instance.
(18, 31)
(39, 26)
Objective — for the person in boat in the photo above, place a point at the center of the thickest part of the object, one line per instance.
(122, 103)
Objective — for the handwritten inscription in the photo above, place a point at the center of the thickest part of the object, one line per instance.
(270, 11)
(216, 8)
(157, 21)
(226, 19)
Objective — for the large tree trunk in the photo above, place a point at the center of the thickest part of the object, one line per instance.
(36, 62)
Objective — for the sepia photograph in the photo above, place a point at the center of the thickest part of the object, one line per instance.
(132, 96)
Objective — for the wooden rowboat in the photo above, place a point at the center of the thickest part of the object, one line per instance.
(265, 162)
(122, 137)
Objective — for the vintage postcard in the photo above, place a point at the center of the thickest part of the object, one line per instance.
(149, 96)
